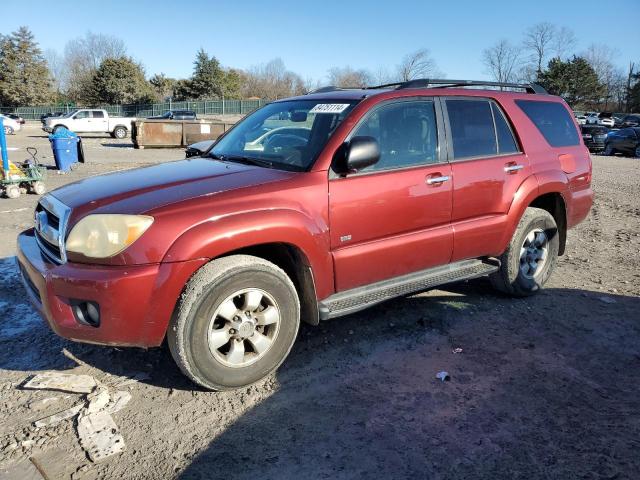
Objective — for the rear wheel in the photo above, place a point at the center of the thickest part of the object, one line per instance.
(529, 260)
(120, 132)
(38, 188)
(236, 322)
(638, 151)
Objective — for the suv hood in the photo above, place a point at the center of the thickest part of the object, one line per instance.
(144, 189)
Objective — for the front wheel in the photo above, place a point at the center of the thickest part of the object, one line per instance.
(637, 152)
(235, 323)
(8, 130)
(531, 256)
(120, 132)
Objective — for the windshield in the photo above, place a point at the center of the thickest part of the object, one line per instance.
(285, 135)
(68, 114)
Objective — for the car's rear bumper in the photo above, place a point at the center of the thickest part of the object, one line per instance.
(579, 205)
(135, 302)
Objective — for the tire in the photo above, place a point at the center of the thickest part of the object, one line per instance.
(8, 130)
(207, 347)
(38, 188)
(120, 132)
(12, 191)
(535, 242)
(608, 150)
(637, 152)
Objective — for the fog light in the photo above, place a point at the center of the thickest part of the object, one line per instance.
(86, 313)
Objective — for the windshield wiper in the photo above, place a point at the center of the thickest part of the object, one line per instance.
(246, 160)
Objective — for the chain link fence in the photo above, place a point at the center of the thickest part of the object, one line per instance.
(201, 107)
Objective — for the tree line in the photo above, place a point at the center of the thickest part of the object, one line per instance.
(96, 69)
(588, 80)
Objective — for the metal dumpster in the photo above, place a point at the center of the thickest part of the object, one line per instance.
(175, 133)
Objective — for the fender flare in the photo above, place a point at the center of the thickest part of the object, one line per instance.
(221, 235)
(534, 186)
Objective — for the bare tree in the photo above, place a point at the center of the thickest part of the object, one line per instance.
(418, 64)
(538, 40)
(502, 61)
(347, 77)
(272, 80)
(601, 58)
(55, 62)
(83, 56)
(564, 42)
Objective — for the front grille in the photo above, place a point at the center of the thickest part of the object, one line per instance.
(51, 218)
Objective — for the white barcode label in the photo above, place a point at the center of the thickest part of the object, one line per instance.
(329, 108)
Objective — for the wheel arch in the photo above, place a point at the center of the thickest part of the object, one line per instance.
(296, 265)
(554, 203)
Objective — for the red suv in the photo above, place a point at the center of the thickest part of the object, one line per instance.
(311, 208)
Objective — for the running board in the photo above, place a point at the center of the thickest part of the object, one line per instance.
(359, 298)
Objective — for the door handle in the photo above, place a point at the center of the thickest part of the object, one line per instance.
(437, 180)
(513, 168)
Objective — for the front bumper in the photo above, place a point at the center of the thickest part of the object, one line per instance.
(136, 302)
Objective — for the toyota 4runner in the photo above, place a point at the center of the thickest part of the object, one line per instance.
(311, 208)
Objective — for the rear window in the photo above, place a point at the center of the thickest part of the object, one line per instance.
(472, 130)
(552, 120)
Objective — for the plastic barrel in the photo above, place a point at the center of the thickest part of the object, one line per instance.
(65, 152)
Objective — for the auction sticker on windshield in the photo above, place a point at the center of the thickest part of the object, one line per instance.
(329, 108)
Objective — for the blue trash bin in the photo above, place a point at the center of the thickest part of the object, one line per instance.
(64, 144)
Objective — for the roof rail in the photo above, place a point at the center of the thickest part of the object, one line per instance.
(330, 88)
(446, 83)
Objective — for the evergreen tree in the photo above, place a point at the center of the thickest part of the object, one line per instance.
(208, 77)
(24, 75)
(120, 81)
(574, 80)
(162, 86)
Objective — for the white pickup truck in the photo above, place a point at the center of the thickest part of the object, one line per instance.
(90, 121)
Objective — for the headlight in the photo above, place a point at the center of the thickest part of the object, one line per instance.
(102, 236)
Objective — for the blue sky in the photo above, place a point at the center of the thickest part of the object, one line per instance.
(312, 37)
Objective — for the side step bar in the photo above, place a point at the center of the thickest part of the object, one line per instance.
(359, 298)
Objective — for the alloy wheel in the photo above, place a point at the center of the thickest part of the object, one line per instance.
(533, 253)
(244, 327)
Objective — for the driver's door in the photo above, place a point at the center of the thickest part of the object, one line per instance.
(393, 218)
(82, 121)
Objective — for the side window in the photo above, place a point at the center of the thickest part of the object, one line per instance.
(506, 142)
(81, 115)
(472, 130)
(98, 114)
(407, 133)
(552, 120)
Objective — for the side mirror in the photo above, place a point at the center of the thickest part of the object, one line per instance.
(299, 116)
(359, 153)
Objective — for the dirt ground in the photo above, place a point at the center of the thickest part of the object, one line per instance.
(544, 387)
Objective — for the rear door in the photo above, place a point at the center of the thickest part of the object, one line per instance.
(392, 218)
(98, 121)
(488, 166)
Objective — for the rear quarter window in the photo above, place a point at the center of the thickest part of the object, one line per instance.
(552, 120)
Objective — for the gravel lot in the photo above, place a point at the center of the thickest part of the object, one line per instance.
(545, 387)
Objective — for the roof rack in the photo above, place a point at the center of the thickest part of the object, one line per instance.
(446, 83)
(329, 88)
